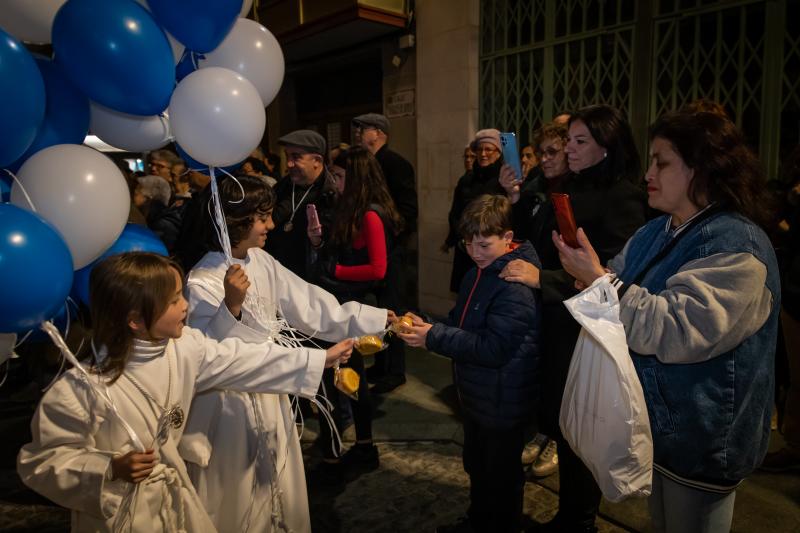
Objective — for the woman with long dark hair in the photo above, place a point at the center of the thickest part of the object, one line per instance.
(608, 202)
(350, 261)
(699, 296)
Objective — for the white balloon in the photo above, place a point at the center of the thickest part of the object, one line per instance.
(216, 115)
(29, 20)
(81, 192)
(246, 5)
(134, 133)
(252, 51)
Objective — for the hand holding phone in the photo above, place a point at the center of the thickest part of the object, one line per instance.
(314, 228)
(511, 153)
(565, 218)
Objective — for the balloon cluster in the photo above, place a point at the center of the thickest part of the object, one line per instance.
(114, 72)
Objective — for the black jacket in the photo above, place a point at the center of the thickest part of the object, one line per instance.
(291, 247)
(400, 179)
(494, 344)
(609, 210)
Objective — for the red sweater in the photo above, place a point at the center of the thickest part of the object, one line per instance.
(371, 236)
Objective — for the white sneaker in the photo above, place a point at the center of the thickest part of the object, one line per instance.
(547, 462)
(533, 449)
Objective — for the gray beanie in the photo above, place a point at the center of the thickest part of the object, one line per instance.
(490, 135)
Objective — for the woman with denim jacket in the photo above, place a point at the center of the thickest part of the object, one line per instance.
(699, 298)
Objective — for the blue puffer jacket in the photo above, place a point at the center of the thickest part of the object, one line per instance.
(492, 334)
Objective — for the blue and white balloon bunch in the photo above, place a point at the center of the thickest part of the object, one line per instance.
(114, 72)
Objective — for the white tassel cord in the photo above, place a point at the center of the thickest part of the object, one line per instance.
(55, 336)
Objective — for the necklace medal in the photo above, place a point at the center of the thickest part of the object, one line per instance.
(175, 416)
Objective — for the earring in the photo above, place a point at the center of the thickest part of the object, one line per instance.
(605, 154)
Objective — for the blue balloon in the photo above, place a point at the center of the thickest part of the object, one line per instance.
(134, 238)
(200, 26)
(35, 269)
(116, 54)
(5, 187)
(67, 315)
(193, 164)
(21, 99)
(66, 116)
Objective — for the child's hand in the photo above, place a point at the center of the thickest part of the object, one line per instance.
(415, 320)
(133, 467)
(338, 353)
(236, 285)
(391, 317)
(417, 334)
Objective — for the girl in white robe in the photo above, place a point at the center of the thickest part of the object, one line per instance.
(242, 449)
(91, 430)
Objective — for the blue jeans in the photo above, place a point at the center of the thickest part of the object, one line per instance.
(676, 508)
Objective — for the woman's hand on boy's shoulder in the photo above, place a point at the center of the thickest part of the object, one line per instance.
(236, 285)
(520, 271)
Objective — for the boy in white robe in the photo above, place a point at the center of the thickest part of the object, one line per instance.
(242, 449)
(105, 442)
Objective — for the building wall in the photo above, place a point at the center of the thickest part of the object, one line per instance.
(447, 118)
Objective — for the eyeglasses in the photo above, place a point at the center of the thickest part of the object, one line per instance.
(159, 164)
(548, 153)
(486, 150)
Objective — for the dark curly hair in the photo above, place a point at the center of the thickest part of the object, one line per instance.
(240, 205)
(726, 170)
(610, 129)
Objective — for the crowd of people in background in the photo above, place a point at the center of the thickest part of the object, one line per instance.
(705, 258)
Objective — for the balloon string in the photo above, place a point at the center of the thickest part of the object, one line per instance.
(66, 336)
(219, 218)
(165, 124)
(7, 365)
(22, 188)
(58, 340)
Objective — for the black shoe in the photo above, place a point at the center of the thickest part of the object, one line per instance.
(327, 475)
(461, 526)
(361, 458)
(375, 373)
(388, 383)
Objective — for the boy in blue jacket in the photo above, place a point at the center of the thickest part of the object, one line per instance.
(492, 335)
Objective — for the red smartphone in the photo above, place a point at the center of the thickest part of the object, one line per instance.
(311, 214)
(565, 218)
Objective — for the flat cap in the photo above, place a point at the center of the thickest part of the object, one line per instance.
(308, 140)
(373, 120)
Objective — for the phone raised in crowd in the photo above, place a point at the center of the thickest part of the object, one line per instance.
(511, 153)
(311, 214)
(565, 218)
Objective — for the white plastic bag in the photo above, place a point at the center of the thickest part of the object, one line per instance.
(603, 412)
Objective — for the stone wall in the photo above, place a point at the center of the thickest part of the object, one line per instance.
(447, 118)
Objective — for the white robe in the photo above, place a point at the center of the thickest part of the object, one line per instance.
(76, 434)
(242, 450)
